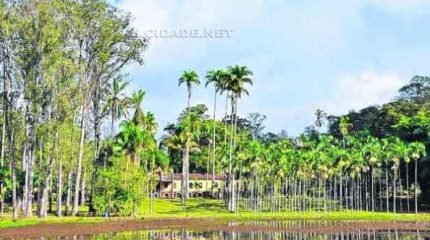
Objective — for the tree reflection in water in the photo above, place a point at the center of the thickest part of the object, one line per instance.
(275, 230)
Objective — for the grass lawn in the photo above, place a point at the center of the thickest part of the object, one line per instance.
(208, 208)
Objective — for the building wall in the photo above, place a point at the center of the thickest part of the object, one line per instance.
(196, 186)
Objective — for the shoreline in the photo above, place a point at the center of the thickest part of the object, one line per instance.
(7, 222)
(47, 229)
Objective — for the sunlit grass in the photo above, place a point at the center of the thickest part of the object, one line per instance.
(205, 208)
(8, 222)
(209, 208)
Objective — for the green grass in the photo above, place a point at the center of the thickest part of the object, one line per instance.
(204, 208)
(207, 208)
(22, 222)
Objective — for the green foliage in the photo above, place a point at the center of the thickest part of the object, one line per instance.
(62, 79)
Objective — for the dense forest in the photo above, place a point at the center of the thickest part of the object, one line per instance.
(72, 136)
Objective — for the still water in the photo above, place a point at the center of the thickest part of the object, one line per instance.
(221, 235)
(277, 230)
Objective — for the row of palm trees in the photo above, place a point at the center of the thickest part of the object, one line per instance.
(328, 174)
(298, 174)
(232, 82)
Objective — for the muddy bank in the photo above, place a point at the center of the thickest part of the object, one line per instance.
(51, 230)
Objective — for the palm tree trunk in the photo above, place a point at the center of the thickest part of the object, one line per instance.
(185, 157)
(407, 186)
(373, 189)
(187, 170)
(234, 197)
(380, 192)
(400, 190)
(335, 192)
(386, 185)
(232, 200)
(214, 145)
(416, 186)
(184, 175)
(341, 192)
(151, 199)
(208, 168)
(225, 118)
(394, 191)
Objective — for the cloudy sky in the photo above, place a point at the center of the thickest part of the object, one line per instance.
(335, 55)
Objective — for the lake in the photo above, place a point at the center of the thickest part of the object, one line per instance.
(258, 230)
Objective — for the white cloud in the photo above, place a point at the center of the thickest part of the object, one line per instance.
(316, 29)
(173, 16)
(353, 92)
(348, 92)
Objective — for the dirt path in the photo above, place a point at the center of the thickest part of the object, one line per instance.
(51, 230)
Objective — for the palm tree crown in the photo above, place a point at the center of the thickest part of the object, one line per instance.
(189, 78)
(320, 118)
(117, 102)
(215, 77)
(236, 79)
(136, 103)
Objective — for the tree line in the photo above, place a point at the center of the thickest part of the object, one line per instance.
(344, 168)
(61, 70)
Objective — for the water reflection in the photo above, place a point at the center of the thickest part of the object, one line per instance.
(222, 235)
(278, 230)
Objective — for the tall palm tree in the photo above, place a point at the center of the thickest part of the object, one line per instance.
(387, 154)
(135, 133)
(136, 101)
(344, 126)
(214, 77)
(373, 151)
(189, 79)
(117, 102)
(151, 127)
(320, 118)
(417, 151)
(235, 82)
(151, 124)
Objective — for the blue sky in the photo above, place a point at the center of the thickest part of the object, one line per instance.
(335, 55)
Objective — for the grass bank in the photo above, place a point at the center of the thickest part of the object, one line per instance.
(206, 208)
